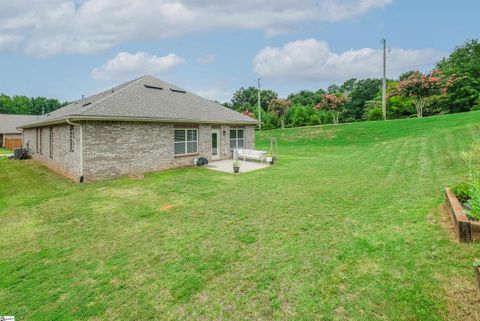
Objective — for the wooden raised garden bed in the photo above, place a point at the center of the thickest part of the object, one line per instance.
(467, 230)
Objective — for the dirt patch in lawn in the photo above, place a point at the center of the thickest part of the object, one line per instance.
(463, 299)
(136, 176)
(166, 207)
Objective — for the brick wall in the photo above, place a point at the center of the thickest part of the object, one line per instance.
(118, 148)
(113, 149)
(63, 160)
(250, 137)
(225, 142)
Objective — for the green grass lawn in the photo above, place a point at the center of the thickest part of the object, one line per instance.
(5, 151)
(347, 226)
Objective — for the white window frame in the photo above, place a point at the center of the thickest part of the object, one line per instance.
(236, 139)
(186, 141)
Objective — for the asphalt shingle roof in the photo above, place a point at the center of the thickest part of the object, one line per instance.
(10, 122)
(144, 98)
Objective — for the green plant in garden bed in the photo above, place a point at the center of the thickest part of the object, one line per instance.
(473, 203)
(469, 192)
(462, 191)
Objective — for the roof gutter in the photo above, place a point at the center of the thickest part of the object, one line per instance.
(138, 119)
(43, 123)
(80, 147)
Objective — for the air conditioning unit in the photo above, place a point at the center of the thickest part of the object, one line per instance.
(19, 153)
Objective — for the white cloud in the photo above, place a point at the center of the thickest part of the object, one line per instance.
(125, 65)
(207, 59)
(48, 27)
(312, 60)
(217, 92)
(7, 41)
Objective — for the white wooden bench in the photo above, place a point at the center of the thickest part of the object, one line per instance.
(250, 154)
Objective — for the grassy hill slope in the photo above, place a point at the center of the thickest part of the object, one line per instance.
(348, 225)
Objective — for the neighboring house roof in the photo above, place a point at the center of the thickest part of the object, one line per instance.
(145, 99)
(10, 122)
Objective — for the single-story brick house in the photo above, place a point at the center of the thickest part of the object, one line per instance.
(10, 136)
(143, 125)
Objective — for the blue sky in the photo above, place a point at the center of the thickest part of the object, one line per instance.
(63, 49)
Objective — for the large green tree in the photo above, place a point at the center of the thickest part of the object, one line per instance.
(306, 97)
(348, 86)
(27, 105)
(280, 108)
(333, 88)
(247, 98)
(360, 92)
(463, 64)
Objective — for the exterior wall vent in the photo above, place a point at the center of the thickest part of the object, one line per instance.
(153, 87)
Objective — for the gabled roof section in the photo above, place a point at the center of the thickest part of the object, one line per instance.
(146, 99)
(10, 122)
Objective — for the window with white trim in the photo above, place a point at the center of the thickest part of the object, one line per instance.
(185, 141)
(237, 138)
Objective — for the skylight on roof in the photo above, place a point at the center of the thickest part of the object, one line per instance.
(178, 90)
(153, 87)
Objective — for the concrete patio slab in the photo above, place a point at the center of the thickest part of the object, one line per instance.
(226, 166)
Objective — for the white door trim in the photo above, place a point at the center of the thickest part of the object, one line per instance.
(217, 156)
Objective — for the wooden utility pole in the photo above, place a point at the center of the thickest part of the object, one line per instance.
(384, 80)
(259, 107)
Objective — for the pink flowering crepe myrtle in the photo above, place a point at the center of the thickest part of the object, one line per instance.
(247, 113)
(280, 107)
(333, 103)
(421, 86)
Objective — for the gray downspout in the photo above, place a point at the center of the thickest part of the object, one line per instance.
(81, 148)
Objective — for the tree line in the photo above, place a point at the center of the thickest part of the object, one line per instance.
(24, 105)
(452, 86)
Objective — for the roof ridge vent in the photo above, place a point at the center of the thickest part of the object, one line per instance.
(153, 87)
(178, 90)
